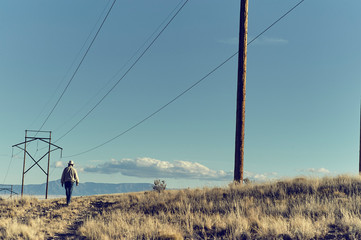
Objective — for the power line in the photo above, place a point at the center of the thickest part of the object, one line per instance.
(185, 91)
(7, 171)
(71, 66)
(80, 63)
(126, 73)
(275, 22)
(73, 63)
(126, 63)
(159, 109)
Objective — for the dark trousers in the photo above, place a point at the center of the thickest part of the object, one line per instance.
(68, 190)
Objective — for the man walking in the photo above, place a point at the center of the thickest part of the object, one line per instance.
(68, 178)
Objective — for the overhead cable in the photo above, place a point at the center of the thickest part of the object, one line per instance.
(80, 63)
(126, 73)
(71, 66)
(275, 22)
(185, 91)
(160, 109)
(127, 62)
(7, 171)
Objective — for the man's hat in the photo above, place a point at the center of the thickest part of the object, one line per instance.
(71, 163)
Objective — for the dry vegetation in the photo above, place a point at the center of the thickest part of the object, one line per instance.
(325, 208)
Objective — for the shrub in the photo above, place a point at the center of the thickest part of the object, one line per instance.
(159, 185)
(246, 181)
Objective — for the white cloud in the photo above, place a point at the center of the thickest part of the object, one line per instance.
(154, 168)
(59, 164)
(261, 41)
(18, 156)
(229, 41)
(269, 40)
(318, 170)
(260, 177)
(315, 170)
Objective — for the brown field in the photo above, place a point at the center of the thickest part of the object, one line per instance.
(326, 208)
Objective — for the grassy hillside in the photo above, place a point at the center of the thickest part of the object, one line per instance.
(300, 208)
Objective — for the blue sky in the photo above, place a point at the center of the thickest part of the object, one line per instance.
(303, 89)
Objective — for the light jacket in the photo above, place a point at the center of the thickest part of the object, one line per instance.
(69, 175)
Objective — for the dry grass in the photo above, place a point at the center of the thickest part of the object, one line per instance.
(325, 208)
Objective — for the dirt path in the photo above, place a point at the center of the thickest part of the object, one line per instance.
(59, 221)
(80, 209)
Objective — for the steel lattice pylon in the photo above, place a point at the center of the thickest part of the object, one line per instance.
(51, 147)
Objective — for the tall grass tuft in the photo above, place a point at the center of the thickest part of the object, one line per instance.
(289, 209)
(301, 208)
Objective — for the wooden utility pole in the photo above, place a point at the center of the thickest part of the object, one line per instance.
(359, 154)
(241, 93)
